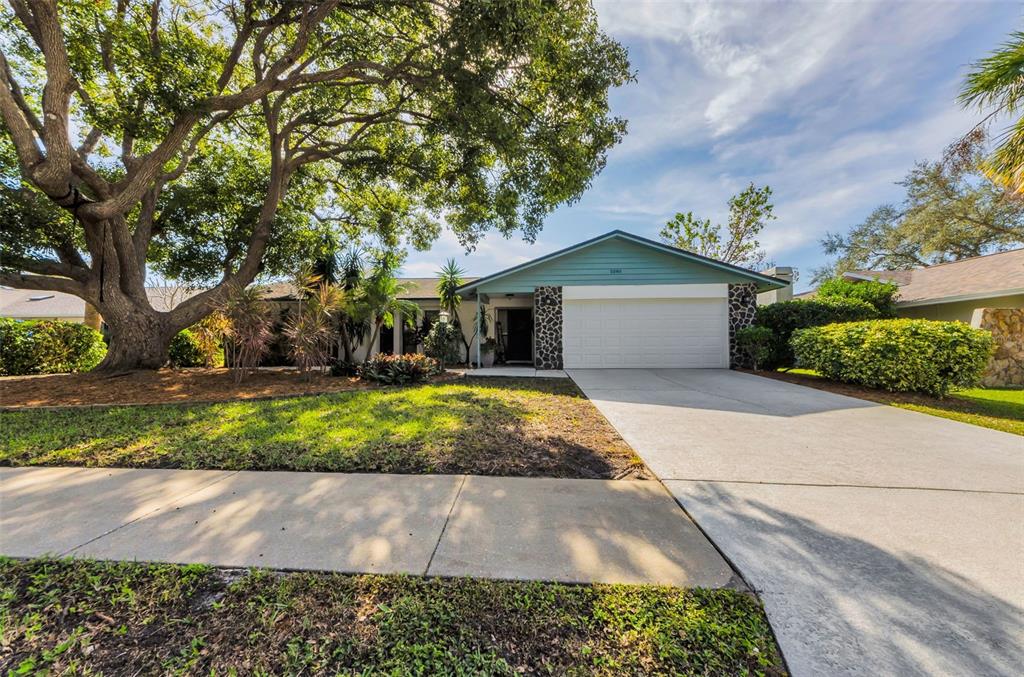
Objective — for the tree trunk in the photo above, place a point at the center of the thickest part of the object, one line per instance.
(139, 339)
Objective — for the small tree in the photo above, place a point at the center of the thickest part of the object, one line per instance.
(441, 343)
(756, 344)
(310, 331)
(379, 299)
(749, 212)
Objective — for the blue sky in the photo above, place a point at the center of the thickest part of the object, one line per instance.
(828, 103)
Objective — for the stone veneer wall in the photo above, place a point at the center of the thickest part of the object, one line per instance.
(1006, 368)
(547, 327)
(742, 306)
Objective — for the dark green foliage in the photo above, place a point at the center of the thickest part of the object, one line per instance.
(399, 369)
(442, 343)
(897, 355)
(80, 616)
(48, 347)
(785, 317)
(186, 351)
(756, 344)
(881, 295)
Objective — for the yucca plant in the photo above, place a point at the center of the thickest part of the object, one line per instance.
(449, 279)
(310, 331)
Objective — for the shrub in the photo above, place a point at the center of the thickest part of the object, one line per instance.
(897, 355)
(880, 295)
(48, 347)
(442, 343)
(785, 317)
(343, 368)
(399, 369)
(185, 350)
(756, 344)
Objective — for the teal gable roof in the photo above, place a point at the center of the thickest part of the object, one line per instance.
(616, 258)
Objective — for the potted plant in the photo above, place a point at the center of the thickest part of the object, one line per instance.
(487, 353)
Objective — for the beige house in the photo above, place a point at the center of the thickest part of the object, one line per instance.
(953, 291)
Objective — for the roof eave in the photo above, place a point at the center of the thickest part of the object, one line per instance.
(766, 282)
(960, 297)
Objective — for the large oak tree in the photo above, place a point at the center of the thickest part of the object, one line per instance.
(215, 140)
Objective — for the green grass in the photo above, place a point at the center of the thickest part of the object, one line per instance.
(996, 408)
(521, 427)
(63, 616)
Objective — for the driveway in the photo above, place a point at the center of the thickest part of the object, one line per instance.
(882, 541)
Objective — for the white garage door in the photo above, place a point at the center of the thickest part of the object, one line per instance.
(681, 333)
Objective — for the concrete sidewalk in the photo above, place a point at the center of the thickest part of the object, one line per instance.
(445, 525)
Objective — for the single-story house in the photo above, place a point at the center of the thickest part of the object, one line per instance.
(617, 300)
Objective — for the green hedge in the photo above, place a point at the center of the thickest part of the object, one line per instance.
(897, 355)
(186, 351)
(785, 317)
(48, 347)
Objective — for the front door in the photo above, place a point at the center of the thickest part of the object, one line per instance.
(520, 335)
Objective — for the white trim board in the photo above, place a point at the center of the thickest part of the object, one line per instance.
(645, 291)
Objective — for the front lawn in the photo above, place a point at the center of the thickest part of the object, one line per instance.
(996, 408)
(516, 427)
(127, 618)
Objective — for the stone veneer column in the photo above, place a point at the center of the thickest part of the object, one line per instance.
(742, 306)
(547, 327)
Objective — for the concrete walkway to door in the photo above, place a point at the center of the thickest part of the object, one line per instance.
(445, 525)
(881, 541)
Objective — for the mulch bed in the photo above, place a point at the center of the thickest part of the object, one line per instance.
(167, 386)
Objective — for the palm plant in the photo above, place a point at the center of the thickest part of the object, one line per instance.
(354, 325)
(449, 279)
(996, 84)
(379, 299)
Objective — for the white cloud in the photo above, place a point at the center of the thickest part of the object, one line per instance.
(731, 63)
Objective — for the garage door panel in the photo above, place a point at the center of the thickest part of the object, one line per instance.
(645, 333)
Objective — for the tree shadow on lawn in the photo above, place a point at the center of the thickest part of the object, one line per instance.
(432, 429)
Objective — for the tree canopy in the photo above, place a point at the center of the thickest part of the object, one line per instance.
(952, 210)
(216, 141)
(749, 212)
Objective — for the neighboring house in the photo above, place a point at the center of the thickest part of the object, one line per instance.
(953, 291)
(617, 300)
(984, 291)
(23, 304)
